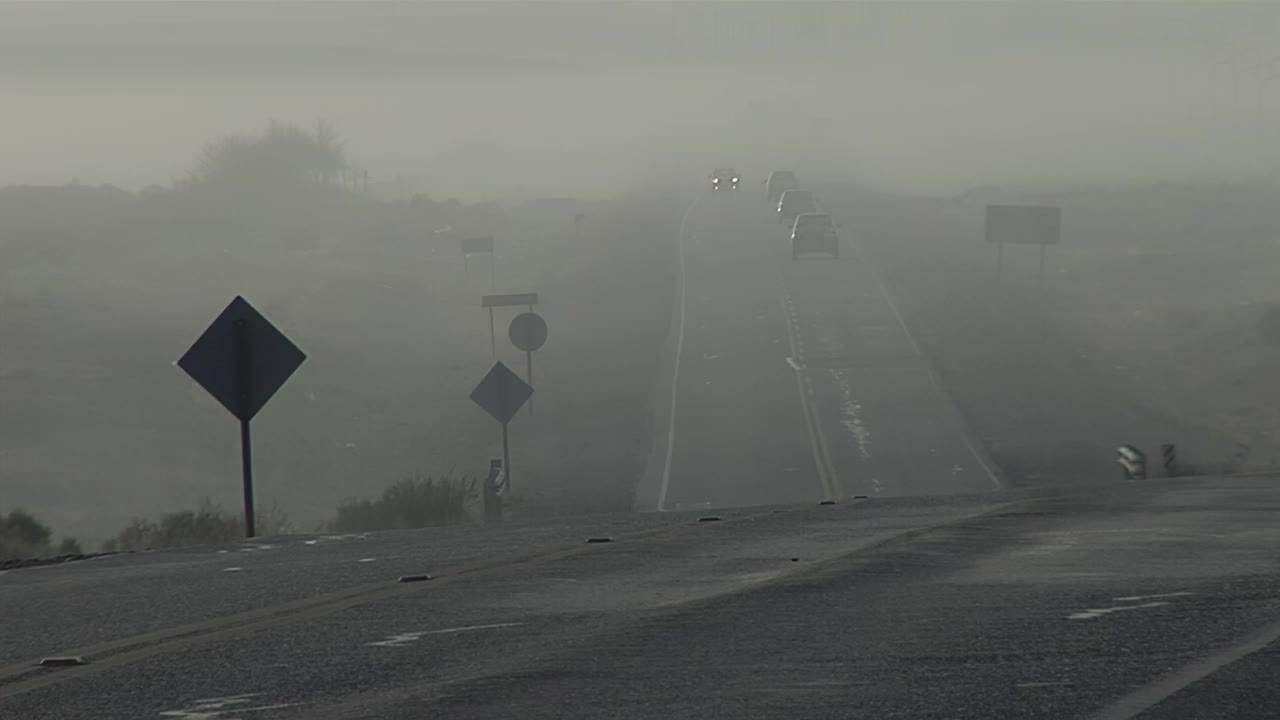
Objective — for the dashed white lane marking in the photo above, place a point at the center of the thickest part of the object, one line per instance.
(232, 569)
(794, 365)
(401, 639)
(1136, 598)
(366, 560)
(221, 708)
(675, 373)
(1092, 613)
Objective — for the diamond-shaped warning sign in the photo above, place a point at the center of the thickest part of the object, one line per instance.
(242, 359)
(501, 393)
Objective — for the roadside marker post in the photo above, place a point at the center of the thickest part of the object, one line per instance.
(242, 360)
(493, 487)
(1133, 462)
(501, 394)
(1169, 458)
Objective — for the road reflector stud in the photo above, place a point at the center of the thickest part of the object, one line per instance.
(602, 539)
(827, 502)
(709, 518)
(66, 661)
(414, 578)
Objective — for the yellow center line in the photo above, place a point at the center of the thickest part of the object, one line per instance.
(818, 445)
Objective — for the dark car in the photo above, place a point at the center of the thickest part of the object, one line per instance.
(794, 202)
(724, 179)
(814, 233)
(779, 182)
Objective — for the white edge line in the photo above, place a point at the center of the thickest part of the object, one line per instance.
(469, 628)
(1157, 692)
(1137, 598)
(675, 373)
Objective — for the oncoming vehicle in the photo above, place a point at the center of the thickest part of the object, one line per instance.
(779, 182)
(794, 202)
(724, 179)
(814, 233)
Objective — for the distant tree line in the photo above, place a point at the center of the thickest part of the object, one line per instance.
(282, 156)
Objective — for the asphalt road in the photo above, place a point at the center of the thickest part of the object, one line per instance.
(796, 380)
(1150, 600)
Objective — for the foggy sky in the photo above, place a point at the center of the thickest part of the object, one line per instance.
(481, 99)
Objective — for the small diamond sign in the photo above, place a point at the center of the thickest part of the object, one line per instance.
(501, 393)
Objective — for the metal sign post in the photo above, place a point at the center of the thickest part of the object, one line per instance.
(477, 246)
(506, 453)
(242, 360)
(528, 332)
(246, 471)
(493, 337)
(511, 300)
(246, 452)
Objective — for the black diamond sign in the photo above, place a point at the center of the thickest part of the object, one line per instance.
(501, 393)
(242, 359)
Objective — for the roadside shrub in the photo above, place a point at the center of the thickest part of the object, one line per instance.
(414, 502)
(273, 520)
(207, 525)
(22, 536)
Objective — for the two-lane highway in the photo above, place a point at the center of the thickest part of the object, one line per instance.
(795, 381)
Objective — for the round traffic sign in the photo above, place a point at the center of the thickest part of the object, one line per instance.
(528, 331)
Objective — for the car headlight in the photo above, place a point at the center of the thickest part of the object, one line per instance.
(735, 179)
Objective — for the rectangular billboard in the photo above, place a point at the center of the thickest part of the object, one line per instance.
(1024, 225)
